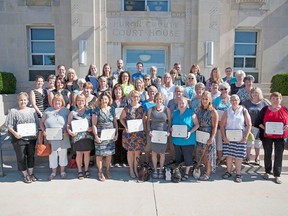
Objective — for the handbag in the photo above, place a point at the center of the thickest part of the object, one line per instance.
(43, 150)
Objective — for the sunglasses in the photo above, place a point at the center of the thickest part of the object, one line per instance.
(223, 89)
(191, 78)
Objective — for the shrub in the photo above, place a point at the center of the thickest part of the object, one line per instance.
(279, 83)
(7, 83)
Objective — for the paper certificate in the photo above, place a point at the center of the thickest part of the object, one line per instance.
(220, 114)
(159, 137)
(202, 136)
(179, 131)
(135, 125)
(234, 135)
(80, 125)
(27, 129)
(275, 128)
(108, 134)
(54, 134)
(118, 112)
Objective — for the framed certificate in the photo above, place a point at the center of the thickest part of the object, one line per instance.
(220, 114)
(202, 136)
(80, 125)
(234, 135)
(179, 131)
(135, 125)
(108, 134)
(54, 133)
(159, 137)
(118, 112)
(27, 129)
(275, 128)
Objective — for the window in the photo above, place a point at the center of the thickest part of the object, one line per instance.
(148, 56)
(42, 47)
(146, 5)
(245, 50)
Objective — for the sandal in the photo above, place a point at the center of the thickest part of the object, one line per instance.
(52, 176)
(27, 179)
(278, 180)
(185, 177)
(108, 174)
(155, 175)
(33, 178)
(87, 174)
(63, 175)
(257, 162)
(266, 176)
(91, 163)
(238, 178)
(101, 177)
(226, 175)
(204, 177)
(80, 176)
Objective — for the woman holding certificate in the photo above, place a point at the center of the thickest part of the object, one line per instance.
(79, 128)
(273, 123)
(208, 122)
(53, 124)
(134, 138)
(184, 126)
(105, 130)
(23, 139)
(235, 134)
(159, 121)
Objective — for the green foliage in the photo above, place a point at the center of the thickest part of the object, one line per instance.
(7, 83)
(279, 83)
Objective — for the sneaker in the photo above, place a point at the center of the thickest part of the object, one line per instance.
(161, 175)
(117, 165)
(125, 165)
(238, 178)
(155, 175)
(33, 178)
(278, 180)
(63, 175)
(27, 179)
(52, 176)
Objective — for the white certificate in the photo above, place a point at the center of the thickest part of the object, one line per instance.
(135, 125)
(202, 136)
(27, 129)
(108, 134)
(220, 114)
(234, 135)
(118, 112)
(80, 125)
(275, 128)
(54, 133)
(179, 131)
(159, 137)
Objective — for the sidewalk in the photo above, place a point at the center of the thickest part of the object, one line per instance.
(123, 196)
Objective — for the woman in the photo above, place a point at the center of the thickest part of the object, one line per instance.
(80, 83)
(107, 72)
(221, 104)
(184, 147)
(125, 81)
(133, 142)
(195, 69)
(244, 93)
(195, 102)
(119, 102)
(92, 77)
(275, 113)
(56, 117)
(235, 117)
(215, 76)
(139, 86)
(147, 81)
(103, 86)
(71, 80)
(215, 90)
(167, 89)
(178, 94)
(24, 147)
(175, 77)
(104, 118)
(254, 105)
(83, 142)
(229, 78)
(189, 88)
(155, 80)
(239, 74)
(39, 96)
(51, 83)
(159, 119)
(60, 89)
(208, 122)
(61, 72)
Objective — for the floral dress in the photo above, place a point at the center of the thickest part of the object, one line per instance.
(135, 141)
(104, 121)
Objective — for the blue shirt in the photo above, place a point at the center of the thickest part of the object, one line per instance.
(147, 105)
(184, 119)
(137, 75)
(219, 105)
(231, 81)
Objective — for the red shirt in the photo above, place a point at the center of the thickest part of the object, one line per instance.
(276, 116)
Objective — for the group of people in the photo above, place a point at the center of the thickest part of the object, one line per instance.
(123, 115)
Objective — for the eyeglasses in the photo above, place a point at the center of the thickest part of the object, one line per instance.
(147, 79)
(223, 89)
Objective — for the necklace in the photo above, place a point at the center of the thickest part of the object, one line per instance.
(159, 108)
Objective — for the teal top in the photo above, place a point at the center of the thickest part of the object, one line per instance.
(184, 119)
(231, 81)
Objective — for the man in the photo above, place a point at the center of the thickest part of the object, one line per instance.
(177, 67)
(139, 73)
(229, 76)
(61, 72)
(117, 72)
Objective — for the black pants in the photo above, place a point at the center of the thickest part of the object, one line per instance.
(25, 154)
(120, 153)
(278, 155)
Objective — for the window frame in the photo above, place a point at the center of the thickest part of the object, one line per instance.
(146, 6)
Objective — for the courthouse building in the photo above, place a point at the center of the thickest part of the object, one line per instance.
(37, 35)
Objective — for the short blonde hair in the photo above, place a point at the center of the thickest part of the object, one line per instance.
(71, 70)
(134, 92)
(21, 95)
(256, 89)
(80, 96)
(58, 97)
(159, 95)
